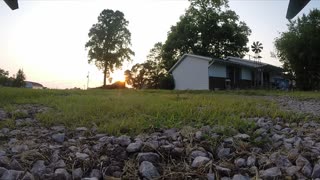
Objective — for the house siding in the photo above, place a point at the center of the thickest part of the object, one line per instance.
(246, 74)
(192, 73)
(218, 70)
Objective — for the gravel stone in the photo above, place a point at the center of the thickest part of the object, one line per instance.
(307, 170)
(149, 156)
(28, 176)
(240, 177)
(77, 174)
(197, 153)
(58, 137)
(211, 176)
(148, 170)
(38, 168)
(96, 173)
(62, 174)
(12, 175)
(199, 135)
(15, 165)
(81, 129)
(123, 140)
(19, 148)
(199, 161)
(316, 171)
(242, 136)
(224, 153)
(4, 162)
(271, 173)
(292, 170)
(251, 161)
(82, 156)
(134, 147)
(301, 161)
(240, 162)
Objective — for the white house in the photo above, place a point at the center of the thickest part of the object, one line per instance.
(195, 72)
(33, 85)
(191, 72)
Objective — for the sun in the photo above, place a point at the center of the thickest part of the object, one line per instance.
(118, 75)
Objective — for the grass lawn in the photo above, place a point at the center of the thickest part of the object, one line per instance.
(132, 111)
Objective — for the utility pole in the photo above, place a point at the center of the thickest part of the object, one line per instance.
(88, 80)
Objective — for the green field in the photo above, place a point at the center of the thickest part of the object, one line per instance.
(133, 111)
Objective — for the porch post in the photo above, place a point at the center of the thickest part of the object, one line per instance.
(261, 78)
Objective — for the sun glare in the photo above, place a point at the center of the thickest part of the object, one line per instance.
(118, 76)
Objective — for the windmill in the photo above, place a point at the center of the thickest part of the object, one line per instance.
(256, 47)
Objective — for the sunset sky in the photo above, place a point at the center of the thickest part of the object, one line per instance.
(46, 37)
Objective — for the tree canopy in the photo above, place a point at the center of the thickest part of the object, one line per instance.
(298, 50)
(109, 41)
(207, 28)
(151, 73)
(17, 80)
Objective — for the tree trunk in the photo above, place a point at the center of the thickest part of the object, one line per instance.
(105, 76)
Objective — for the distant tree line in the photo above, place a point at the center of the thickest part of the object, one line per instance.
(17, 80)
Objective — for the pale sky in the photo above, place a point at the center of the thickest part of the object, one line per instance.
(46, 37)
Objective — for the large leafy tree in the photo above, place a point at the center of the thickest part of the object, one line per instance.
(207, 28)
(298, 50)
(109, 42)
(4, 77)
(150, 73)
(19, 81)
(155, 66)
(137, 76)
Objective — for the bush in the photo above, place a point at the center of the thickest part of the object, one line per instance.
(115, 85)
(167, 82)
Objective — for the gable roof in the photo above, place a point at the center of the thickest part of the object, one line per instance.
(34, 83)
(230, 60)
(189, 55)
(246, 63)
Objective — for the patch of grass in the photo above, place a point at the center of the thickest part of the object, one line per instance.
(302, 95)
(132, 111)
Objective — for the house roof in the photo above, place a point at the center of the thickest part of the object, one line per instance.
(246, 63)
(189, 55)
(34, 83)
(231, 60)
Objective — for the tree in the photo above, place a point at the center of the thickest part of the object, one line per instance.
(155, 66)
(298, 50)
(4, 77)
(136, 77)
(19, 81)
(207, 28)
(109, 42)
(150, 73)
